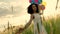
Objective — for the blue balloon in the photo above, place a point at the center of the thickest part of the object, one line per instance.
(39, 1)
(36, 1)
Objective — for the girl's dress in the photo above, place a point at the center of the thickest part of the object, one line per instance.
(37, 20)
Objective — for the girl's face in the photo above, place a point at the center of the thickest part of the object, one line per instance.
(34, 8)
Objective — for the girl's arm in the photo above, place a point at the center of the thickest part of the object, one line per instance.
(20, 30)
(30, 21)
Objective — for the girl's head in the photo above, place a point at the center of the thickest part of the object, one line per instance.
(33, 8)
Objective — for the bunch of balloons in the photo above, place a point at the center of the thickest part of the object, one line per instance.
(40, 2)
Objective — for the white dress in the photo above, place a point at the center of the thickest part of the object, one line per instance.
(36, 20)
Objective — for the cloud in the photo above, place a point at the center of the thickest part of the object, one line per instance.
(5, 9)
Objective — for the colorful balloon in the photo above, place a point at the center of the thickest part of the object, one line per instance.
(35, 1)
(42, 7)
(44, 3)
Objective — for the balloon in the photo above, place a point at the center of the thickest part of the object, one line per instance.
(44, 3)
(35, 1)
(42, 7)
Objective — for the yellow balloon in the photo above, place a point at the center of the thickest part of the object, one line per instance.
(44, 3)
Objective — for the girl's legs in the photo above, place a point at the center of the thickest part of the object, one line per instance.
(40, 27)
(35, 28)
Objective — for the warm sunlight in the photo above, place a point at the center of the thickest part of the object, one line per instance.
(20, 16)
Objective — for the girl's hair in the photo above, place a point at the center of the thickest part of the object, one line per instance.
(30, 10)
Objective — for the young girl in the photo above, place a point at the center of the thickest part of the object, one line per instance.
(33, 9)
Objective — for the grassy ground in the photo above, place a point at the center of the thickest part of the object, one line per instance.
(52, 27)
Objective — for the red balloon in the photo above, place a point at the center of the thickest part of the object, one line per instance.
(42, 7)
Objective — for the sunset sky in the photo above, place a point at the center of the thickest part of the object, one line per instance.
(20, 15)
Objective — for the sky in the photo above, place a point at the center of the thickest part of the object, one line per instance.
(16, 17)
(19, 15)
